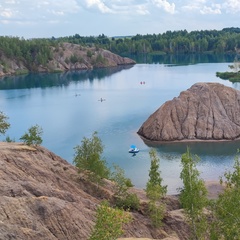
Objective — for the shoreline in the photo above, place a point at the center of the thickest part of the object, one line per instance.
(187, 140)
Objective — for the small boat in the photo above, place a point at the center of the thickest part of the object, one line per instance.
(133, 149)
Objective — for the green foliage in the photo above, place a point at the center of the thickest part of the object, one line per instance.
(124, 199)
(8, 139)
(88, 157)
(89, 53)
(33, 136)
(233, 76)
(129, 201)
(4, 124)
(226, 75)
(109, 223)
(74, 58)
(170, 42)
(226, 210)
(100, 59)
(156, 213)
(155, 191)
(33, 52)
(193, 196)
(121, 182)
(154, 188)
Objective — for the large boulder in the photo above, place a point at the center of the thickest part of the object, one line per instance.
(206, 111)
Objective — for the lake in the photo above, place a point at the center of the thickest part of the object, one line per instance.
(67, 107)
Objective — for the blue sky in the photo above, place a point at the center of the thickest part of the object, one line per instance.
(47, 18)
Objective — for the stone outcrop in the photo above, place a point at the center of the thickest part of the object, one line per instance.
(43, 197)
(206, 111)
(67, 56)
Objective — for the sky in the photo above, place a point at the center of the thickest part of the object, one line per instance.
(59, 18)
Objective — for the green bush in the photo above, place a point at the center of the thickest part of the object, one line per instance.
(88, 157)
(109, 222)
(128, 202)
(4, 125)
(8, 139)
(155, 191)
(33, 136)
(156, 213)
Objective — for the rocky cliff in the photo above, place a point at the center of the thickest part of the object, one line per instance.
(65, 56)
(43, 197)
(206, 111)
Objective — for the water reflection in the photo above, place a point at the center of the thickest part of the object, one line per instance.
(183, 59)
(219, 148)
(44, 80)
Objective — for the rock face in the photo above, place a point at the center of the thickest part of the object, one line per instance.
(66, 57)
(42, 197)
(206, 111)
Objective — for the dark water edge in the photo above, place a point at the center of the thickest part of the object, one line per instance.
(183, 59)
(201, 148)
(45, 80)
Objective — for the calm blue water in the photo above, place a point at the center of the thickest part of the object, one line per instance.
(67, 107)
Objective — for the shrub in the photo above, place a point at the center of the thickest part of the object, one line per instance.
(155, 191)
(124, 199)
(8, 139)
(88, 157)
(4, 125)
(33, 136)
(109, 223)
(128, 202)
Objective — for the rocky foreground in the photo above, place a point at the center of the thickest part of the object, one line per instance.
(66, 57)
(43, 197)
(206, 111)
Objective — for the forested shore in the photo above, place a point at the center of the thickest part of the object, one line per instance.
(27, 55)
(170, 42)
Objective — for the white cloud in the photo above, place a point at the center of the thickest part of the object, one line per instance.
(130, 7)
(232, 6)
(6, 13)
(142, 10)
(168, 7)
(99, 5)
(210, 10)
(13, 10)
(213, 6)
(119, 7)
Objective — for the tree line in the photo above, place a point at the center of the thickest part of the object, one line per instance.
(36, 52)
(170, 42)
(32, 52)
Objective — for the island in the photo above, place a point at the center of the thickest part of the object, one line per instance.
(204, 112)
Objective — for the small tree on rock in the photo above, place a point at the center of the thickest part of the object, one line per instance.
(88, 157)
(155, 191)
(226, 210)
(109, 222)
(124, 199)
(4, 125)
(193, 196)
(33, 136)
